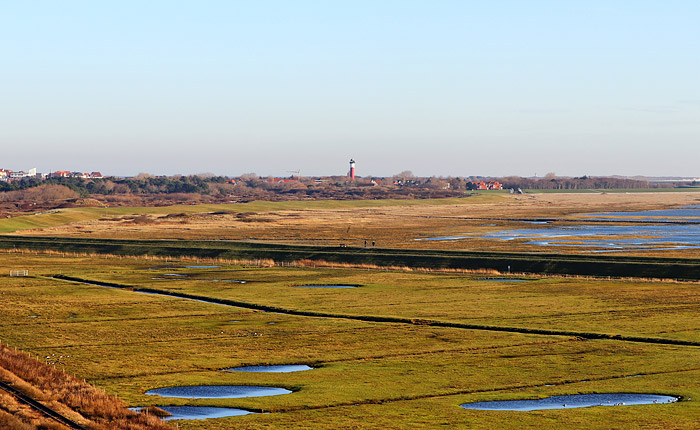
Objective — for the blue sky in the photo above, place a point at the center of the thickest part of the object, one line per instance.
(436, 87)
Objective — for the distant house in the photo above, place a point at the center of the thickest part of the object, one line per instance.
(495, 185)
(491, 185)
(94, 175)
(60, 174)
(22, 174)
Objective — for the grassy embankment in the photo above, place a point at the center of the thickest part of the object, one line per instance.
(586, 265)
(370, 375)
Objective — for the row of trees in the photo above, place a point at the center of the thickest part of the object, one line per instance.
(551, 182)
(142, 184)
(253, 186)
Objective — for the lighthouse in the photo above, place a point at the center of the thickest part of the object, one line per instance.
(352, 169)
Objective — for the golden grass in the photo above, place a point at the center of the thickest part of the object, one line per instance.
(394, 224)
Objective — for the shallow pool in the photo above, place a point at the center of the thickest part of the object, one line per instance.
(280, 368)
(571, 401)
(198, 412)
(217, 391)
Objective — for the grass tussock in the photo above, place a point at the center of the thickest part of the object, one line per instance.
(48, 384)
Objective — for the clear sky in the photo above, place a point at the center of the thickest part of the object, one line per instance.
(438, 87)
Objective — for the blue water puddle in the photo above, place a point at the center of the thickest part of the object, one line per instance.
(198, 412)
(571, 401)
(201, 267)
(201, 412)
(325, 286)
(217, 391)
(280, 368)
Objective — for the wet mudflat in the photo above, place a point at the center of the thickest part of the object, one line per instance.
(690, 211)
(217, 391)
(664, 229)
(623, 237)
(571, 401)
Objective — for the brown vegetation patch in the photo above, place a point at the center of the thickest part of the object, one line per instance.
(40, 195)
(89, 203)
(67, 393)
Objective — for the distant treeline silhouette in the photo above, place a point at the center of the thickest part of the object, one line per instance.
(256, 187)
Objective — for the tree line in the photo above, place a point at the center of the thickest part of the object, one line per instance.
(252, 186)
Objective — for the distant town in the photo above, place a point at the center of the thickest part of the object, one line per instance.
(28, 190)
(11, 175)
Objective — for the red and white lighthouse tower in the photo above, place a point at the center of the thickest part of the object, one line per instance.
(352, 169)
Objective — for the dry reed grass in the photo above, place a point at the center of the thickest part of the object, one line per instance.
(96, 408)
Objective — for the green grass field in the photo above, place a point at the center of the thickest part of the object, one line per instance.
(369, 374)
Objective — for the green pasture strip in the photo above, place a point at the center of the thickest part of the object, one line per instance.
(562, 264)
(49, 219)
(382, 319)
